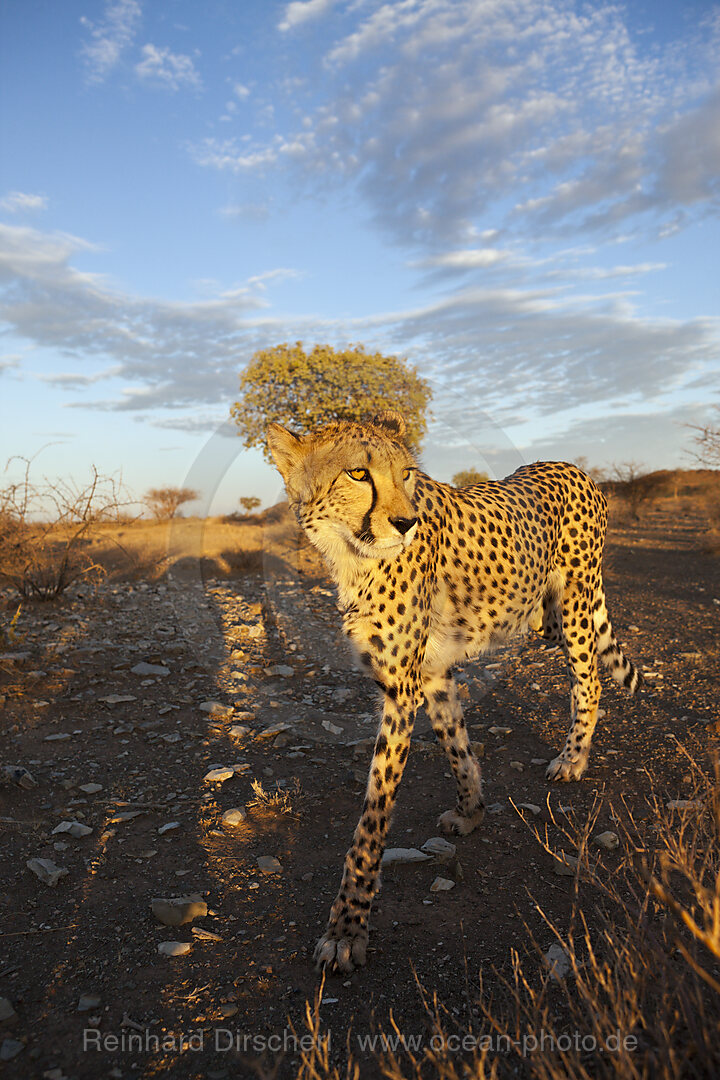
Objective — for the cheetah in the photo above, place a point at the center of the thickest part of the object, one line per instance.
(427, 576)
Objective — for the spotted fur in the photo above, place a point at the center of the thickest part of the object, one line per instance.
(428, 575)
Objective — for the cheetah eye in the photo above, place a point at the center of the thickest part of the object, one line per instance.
(358, 474)
(407, 473)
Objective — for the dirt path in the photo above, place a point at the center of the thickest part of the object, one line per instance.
(266, 647)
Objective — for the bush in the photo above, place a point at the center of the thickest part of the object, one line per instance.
(40, 558)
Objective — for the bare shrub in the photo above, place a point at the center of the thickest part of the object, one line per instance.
(635, 486)
(44, 530)
(707, 444)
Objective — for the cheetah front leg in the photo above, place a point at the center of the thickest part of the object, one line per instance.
(344, 943)
(445, 712)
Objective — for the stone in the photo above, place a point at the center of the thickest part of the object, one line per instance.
(441, 848)
(174, 948)
(179, 910)
(239, 731)
(272, 730)
(363, 747)
(532, 808)
(10, 1048)
(46, 871)
(391, 856)
(283, 670)
(6, 1009)
(495, 730)
(18, 774)
(124, 815)
(91, 789)
(538, 761)
(216, 709)
(204, 935)
(441, 884)
(228, 1009)
(565, 865)
(332, 728)
(557, 959)
(518, 766)
(150, 669)
(236, 816)
(117, 699)
(685, 804)
(60, 736)
(168, 828)
(608, 840)
(268, 864)
(73, 828)
(218, 776)
(88, 1001)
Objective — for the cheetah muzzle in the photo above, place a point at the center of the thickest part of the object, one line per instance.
(428, 576)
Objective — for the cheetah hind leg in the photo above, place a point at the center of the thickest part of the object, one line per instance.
(581, 654)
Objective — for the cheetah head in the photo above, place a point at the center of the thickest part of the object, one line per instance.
(351, 485)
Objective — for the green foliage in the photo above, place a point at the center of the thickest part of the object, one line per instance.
(467, 477)
(304, 390)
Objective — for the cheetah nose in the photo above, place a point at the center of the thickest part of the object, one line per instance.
(403, 525)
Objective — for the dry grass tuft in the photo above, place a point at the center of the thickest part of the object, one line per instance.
(279, 801)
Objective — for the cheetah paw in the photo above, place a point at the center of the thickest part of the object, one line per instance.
(454, 822)
(561, 768)
(344, 953)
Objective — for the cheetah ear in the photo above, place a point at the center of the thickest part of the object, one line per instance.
(287, 449)
(391, 422)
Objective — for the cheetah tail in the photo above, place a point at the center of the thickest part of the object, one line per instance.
(609, 652)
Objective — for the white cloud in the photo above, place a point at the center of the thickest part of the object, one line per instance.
(78, 380)
(8, 363)
(452, 116)
(172, 354)
(109, 37)
(465, 259)
(302, 11)
(518, 354)
(20, 202)
(168, 69)
(246, 211)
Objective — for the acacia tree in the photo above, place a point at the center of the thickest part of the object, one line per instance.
(164, 503)
(249, 503)
(468, 478)
(303, 390)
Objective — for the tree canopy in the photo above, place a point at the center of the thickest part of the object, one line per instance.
(304, 390)
(164, 503)
(468, 477)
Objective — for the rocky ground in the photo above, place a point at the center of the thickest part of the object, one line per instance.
(147, 712)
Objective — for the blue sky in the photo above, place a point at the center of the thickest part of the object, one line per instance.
(520, 196)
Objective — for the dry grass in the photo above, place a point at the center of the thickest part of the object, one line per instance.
(641, 995)
(279, 801)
